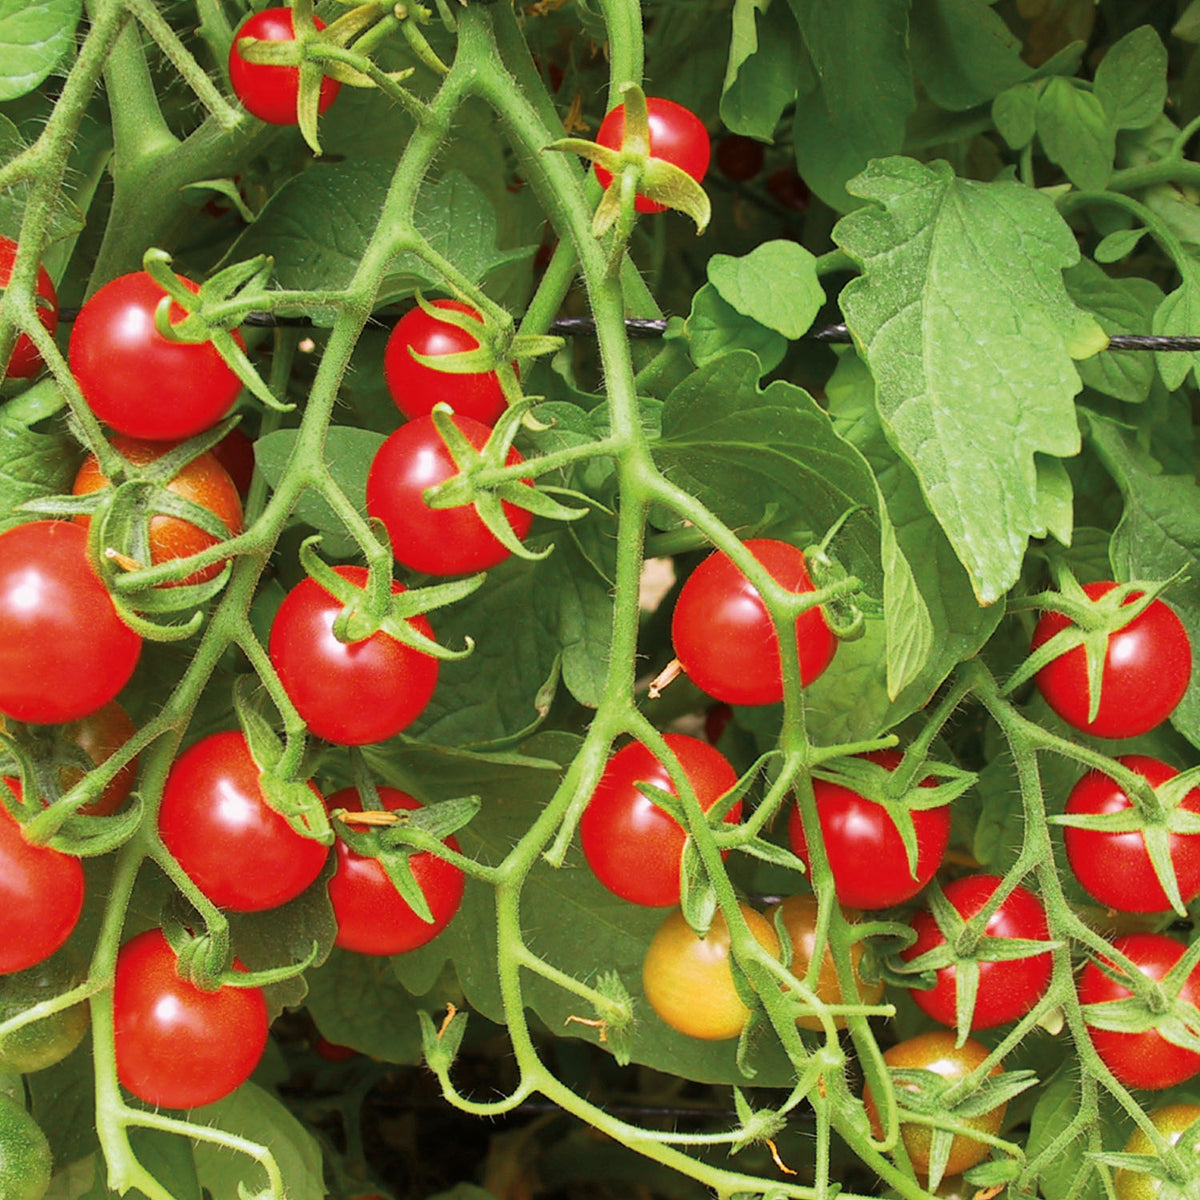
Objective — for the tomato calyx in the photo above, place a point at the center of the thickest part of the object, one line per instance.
(205, 960)
(1154, 1004)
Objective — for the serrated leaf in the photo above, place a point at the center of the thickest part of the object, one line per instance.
(1131, 80)
(775, 284)
(969, 332)
(32, 465)
(1076, 133)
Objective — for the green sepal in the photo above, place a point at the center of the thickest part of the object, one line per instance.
(604, 156)
(617, 1015)
(665, 183)
(747, 1039)
(768, 852)
(697, 897)
(756, 1125)
(441, 1048)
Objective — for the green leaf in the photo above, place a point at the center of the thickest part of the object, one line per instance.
(1076, 133)
(32, 465)
(963, 53)
(1015, 114)
(969, 332)
(1055, 500)
(775, 284)
(840, 125)
(1178, 316)
(760, 79)
(1118, 244)
(169, 1159)
(1055, 1109)
(715, 328)
(34, 37)
(1131, 80)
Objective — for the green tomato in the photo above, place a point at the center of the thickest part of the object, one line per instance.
(1170, 1121)
(25, 1158)
(48, 1041)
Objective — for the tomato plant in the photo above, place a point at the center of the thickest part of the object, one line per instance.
(55, 614)
(677, 136)
(633, 846)
(724, 638)
(936, 1052)
(100, 735)
(348, 692)
(271, 92)
(688, 980)
(372, 916)
(178, 1046)
(416, 387)
(25, 1158)
(1172, 1121)
(866, 854)
(137, 381)
(214, 819)
(1145, 1059)
(739, 158)
(41, 895)
(438, 541)
(235, 452)
(1147, 668)
(24, 362)
(1007, 988)
(49, 1040)
(203, 481)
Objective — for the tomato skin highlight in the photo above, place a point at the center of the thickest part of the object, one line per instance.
(237, 850)
(724, 638)
(677, 136)
(373, 918)
(688, 981)
(271, 92)
(1145, 1060)
(176, 1045)
(634, 847)
(936, 1052)
(25, 362)
(1115, 868)
(866, 855)
(137, 381)
(1147, 669)
(436, 541)
(55, 614)
(351, 693)
(1009, 988)
(416, 388)
(41, 895)
(1172, 1120)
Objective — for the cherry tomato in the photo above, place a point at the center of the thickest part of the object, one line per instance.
(688, 981)
(100, 735)
(739, 158)
(203, 481)
(1147, 669)
(332, 1051)
(634, 847)
(64, 651)
(41, 895)
(416, 388)
(372, 916)
(789, 190)
(1115, 868)
(437, 541)
(1008, 988)
(137, 381)
(235, 452)
(351, 693)
(866, 855)
(1172, 1121)
(25, 361)
(937, 1052)
(50, 1039)
(176, 1045)
(237, 849)
(677, 136)
(724, 638)
(271, 93)
(1147, 1059)
(800, 920)
(25, 1158)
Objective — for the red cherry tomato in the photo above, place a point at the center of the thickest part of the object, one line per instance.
(372, 916)
(1145, 1060)
(724, 638)
(351, 693)
(437, 541)
(1008, 988)
(137, 381)
(64, 651)
(203, 481)
(634, 847)
(25, 361)
(866, 855)
(677, 136)
(271, 92)
(235, 452)
(789, 190)
(416, 388)
(176, 1045)
(1147, 669)
(1115, 867)
(739, 158)
(41, 895)
(237, 849)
